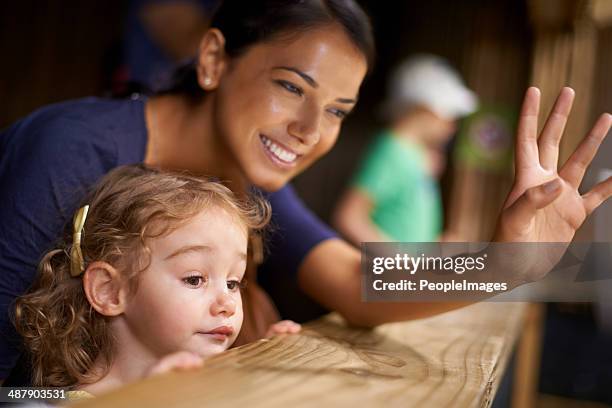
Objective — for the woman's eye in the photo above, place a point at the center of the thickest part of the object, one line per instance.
(194, 281)
(339, 113)
(235, 285)
(291, 88)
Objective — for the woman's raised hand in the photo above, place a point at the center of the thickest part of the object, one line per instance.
(544, 204)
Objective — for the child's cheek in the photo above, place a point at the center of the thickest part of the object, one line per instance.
(238, 320)
(181, 313)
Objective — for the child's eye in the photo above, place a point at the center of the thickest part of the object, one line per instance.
(194, 281)
(235, 285)
(290, 87)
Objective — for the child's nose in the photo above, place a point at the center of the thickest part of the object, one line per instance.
(223, 304)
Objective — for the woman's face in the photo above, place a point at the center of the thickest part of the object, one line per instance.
(279, 107)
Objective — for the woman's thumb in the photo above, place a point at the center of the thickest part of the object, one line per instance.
(534, 199)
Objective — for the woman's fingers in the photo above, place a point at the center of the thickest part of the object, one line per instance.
(527, 135)
(573, 170)
(524, 209)
(548, 143)
(598, 194)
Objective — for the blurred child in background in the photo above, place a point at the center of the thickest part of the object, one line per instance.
(148, 280)
(394, 195)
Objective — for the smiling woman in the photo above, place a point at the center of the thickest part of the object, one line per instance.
(293, 80)
(264, 99)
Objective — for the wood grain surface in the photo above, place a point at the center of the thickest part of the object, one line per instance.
(453, 360)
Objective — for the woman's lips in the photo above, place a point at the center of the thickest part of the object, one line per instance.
(278, 154)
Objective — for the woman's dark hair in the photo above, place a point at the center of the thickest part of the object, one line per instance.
(246, 23)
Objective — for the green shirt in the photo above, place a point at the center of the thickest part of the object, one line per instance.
(407, 202)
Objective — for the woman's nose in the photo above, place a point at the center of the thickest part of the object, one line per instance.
(224, 303)
(307, 127)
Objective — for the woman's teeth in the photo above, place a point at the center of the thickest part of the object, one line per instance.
(278, 151)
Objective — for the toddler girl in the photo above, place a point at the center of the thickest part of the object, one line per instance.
(148, 280)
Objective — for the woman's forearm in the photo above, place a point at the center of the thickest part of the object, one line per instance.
(331, 274)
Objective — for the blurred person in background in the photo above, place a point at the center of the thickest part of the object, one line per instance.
(395, 194)
(160, 34)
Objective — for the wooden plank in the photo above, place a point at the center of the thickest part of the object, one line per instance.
(528, 356)
(601, 12)
(455, 359)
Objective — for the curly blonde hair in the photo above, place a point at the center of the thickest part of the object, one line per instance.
(130, 205)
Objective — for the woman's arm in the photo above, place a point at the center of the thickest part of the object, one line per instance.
(330, 274)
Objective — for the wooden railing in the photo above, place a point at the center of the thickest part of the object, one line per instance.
(454, 360)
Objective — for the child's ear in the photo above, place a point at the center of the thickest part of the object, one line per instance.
(105, 288)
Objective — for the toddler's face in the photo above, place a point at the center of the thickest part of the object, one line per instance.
(189, 297)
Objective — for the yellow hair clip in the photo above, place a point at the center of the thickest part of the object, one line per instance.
(77, 264)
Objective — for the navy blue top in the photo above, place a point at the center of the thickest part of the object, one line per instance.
(50, 159)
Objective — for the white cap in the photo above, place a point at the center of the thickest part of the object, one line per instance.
(429, 81)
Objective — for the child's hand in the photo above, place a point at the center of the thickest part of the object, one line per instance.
(283, 327)
(181, 360)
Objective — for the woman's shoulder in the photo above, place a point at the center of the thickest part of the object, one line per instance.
(93, 112)
(106, 125)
